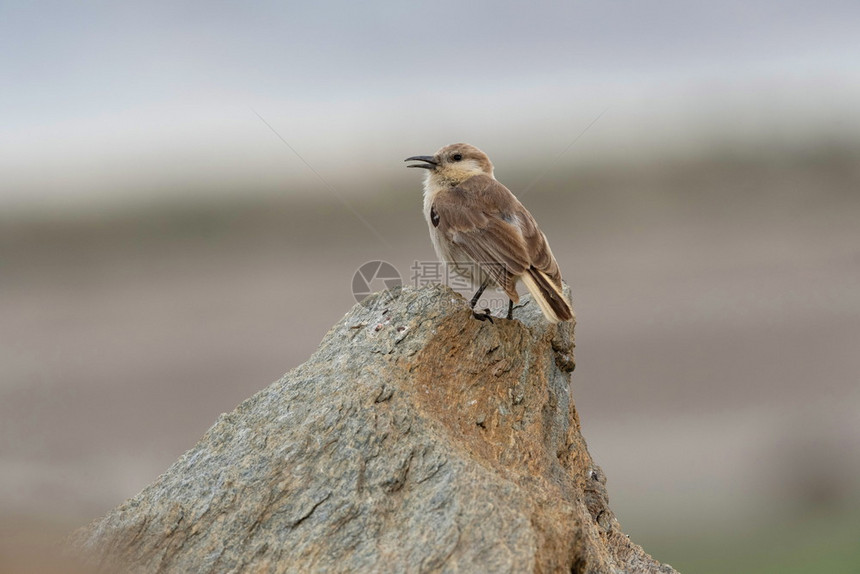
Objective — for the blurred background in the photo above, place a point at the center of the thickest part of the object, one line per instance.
(186, 190)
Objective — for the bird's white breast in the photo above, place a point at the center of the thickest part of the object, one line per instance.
(430, 193)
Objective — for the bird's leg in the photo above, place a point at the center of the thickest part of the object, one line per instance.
(486, 314)
(510, 308)
(479, 292)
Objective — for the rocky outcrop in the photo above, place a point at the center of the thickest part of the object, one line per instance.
(416, 439)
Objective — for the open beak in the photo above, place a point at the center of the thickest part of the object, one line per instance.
(429, 161)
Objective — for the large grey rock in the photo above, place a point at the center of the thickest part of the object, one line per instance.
(416, 439)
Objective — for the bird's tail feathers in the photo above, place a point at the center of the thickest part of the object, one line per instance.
(548, 296)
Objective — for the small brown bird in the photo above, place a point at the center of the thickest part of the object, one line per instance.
(484, 232)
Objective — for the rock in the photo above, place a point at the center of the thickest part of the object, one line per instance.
(415, 439)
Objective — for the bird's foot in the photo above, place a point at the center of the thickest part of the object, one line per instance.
(485, 316)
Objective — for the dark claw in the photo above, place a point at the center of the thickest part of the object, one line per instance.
(485, 316)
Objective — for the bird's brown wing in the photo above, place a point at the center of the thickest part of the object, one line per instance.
(537, 247)
(483, 219)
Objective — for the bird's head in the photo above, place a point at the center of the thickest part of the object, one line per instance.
(454, 164)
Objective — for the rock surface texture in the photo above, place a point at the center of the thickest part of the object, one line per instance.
(416, 439)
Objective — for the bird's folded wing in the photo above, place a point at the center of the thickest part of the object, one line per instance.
(537, 247)
(480, 219)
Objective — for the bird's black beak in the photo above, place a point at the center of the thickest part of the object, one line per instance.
(430, 161)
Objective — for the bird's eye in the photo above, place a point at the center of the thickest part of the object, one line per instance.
(457, 157)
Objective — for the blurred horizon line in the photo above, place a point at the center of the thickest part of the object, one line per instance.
(222, 149)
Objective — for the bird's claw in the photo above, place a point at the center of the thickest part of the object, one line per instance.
(485, 316)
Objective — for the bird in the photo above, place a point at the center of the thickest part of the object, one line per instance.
(485, 234)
